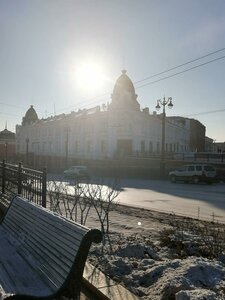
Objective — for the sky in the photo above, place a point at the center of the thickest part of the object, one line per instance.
(47, 45)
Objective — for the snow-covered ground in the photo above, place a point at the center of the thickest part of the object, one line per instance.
(160, 266)
(161, 256)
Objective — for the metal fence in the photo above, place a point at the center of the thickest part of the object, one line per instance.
(201, 157)
(31, 184)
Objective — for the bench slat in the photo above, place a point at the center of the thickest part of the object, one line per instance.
(49, 255)
(44, 236)
(36, 243)
(50, 248)
(12, 275)
(50, 258)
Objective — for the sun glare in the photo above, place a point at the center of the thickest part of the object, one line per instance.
(89, 76)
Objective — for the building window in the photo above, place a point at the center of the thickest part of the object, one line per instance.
(89, 146)
(50, 147)
(43, 147)
(142, 146)
(103, 147)
(158, 147)
(77, 146)
(150, 146)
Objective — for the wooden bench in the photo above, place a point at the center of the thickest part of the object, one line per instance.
(5, 200)
(42, 254)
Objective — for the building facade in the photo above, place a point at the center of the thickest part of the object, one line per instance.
(118, 129)
(197, 138)
(7, 145)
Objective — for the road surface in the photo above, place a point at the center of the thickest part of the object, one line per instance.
(194, 200)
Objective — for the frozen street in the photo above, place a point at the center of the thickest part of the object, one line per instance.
(193, 200)
(205, 201)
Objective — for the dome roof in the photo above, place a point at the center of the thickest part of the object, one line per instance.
(30, 116)
(7, 135)
(123, 96)
(124, 83)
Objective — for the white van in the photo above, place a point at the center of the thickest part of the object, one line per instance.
(194, 173)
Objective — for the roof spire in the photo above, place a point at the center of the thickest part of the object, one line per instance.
(6, 125)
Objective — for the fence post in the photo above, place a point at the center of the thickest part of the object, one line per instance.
(3, 176)
(44, 187)
(19, 191)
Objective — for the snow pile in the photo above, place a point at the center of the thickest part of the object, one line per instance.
(153, 272)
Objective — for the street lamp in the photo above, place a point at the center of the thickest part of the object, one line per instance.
(6, 151)
(163, 103)
(66, 144)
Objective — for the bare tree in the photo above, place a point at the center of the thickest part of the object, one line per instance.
(75, 201)
(55, 191)
(102, 196)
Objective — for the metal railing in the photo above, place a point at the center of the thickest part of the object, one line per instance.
(30, 184)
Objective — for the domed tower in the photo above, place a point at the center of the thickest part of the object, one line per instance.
(30, 116)
(123, 96)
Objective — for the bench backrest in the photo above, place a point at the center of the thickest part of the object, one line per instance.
(58, 244)
(5, 200)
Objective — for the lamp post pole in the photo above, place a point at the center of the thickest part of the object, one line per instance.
(66, 144)
(163, 103)
(27, 150)
(6, 151)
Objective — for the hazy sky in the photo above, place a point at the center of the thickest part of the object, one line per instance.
(45, 42)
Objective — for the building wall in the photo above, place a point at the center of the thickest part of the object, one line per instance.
(119, 129)
(7, 145)
(7, 150)
(100, 135)
(197, 136)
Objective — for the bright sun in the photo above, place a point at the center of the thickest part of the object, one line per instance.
(89, 76)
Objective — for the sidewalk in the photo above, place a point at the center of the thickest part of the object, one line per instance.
(103, 287)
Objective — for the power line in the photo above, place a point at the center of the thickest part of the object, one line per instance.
(183, 71)
(152, 82)
(181, 65)
(207, 112)
(170, 69)
(12, 105)
(90, 101)
(2, 113)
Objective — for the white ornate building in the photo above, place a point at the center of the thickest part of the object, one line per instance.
(120, 128)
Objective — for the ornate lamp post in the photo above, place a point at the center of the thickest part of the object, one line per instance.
(163, 103)
(66, 145)
(6, 151)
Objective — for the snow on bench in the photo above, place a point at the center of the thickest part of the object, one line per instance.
(42, 254)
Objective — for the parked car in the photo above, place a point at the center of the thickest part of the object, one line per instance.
(77, 172)
(194, 173)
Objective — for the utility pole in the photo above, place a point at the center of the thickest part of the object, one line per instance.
(163, 103)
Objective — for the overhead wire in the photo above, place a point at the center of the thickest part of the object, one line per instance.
(207, 112)
(181, 65)
(180, 72)
(160, 73)
(158, 80)
(183, 71)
